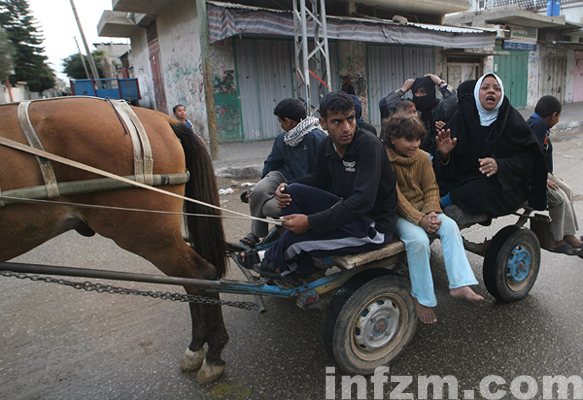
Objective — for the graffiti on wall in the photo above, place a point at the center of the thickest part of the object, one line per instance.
(226, 82)
(227, 102)
(227, 106)
(185, 85)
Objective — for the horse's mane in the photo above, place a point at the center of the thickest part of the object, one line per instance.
(207, 234)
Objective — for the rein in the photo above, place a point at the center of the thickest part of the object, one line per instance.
(143, 210)
(75, 164)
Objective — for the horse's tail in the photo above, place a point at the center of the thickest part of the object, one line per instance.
(206, 233)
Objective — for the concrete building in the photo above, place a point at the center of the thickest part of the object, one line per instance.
(113, 59)
(377, 44)
(538, 48)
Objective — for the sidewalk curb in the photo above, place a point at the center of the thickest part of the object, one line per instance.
(243, 172)
(568, 125)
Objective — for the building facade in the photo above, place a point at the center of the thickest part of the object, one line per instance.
(539, 49)
(253, 64)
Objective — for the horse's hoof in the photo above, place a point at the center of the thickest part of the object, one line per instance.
(209, 373)
(192, 360)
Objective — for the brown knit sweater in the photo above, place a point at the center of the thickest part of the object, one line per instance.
(417, 191)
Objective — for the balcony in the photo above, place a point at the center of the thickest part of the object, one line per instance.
(528, 5)
(121, 24)
(140, 6)
(515, 16)
(427, 7)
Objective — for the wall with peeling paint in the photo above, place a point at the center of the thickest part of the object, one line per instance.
(141, 69)
(226, 91)
(576, 74)
(180, 52)
(533, 77)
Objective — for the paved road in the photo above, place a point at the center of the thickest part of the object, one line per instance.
(59, 343)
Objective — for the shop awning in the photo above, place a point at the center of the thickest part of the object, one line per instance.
(226, 20)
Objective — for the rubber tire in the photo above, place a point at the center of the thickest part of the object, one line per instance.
(343, 347)
(494, 267)
(340, 296)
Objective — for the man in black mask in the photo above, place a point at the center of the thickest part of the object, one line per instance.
(426, 102)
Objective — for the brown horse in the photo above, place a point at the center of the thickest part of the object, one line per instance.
(88, 130)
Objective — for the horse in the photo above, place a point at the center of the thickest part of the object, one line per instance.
(90, 131)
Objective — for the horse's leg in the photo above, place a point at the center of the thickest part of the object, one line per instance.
(207, 324)
(216, 339)
(160, 241)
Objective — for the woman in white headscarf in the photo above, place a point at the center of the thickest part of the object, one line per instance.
(489, 156)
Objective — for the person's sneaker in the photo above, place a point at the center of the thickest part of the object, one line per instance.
(266, 266)
(245, 195)
(248, 258)
(250, 240)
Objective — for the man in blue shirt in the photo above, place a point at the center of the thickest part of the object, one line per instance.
(564, 226)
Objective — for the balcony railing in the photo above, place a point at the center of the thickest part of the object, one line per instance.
(529, 5)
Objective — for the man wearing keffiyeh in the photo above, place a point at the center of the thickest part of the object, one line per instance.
(293, 155)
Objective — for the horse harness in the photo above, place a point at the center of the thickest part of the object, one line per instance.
(143, 159)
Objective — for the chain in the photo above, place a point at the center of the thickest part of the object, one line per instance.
(99, 288)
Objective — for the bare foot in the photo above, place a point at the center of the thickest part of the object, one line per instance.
(467, 293)
(425, 314)
(572, 240)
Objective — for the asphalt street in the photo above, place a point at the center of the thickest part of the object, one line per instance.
(61, 343)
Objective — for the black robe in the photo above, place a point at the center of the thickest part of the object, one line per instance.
(521, 172)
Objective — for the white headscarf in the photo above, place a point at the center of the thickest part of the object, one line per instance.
(487, 117)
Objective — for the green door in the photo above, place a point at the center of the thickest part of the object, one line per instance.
(512, 67)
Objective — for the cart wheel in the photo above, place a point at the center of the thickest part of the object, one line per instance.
(374, 325)
(511, 263)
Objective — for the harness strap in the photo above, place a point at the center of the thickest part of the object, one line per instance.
(143, 160)
(33, 140)
(71, 188)
(75, 164)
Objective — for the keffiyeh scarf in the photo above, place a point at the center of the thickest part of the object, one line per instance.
(295, 136)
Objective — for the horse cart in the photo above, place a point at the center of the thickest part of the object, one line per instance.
(369, 312)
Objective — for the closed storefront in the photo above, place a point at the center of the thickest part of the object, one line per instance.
(578, 77)
(512, 67)
(264, 68)
(553, 72)
(265, 77)
(460, 69)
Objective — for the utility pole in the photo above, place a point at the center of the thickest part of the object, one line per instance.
(207, 78)
(304, 19)
(82, 59)
(91, 61)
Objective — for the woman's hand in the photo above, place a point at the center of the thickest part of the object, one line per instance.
(488, 166)
(297, 223)
(283, 199)
(444, 143)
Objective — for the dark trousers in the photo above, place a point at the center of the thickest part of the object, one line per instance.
(294, 252)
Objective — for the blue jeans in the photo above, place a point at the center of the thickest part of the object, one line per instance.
(459, 272)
